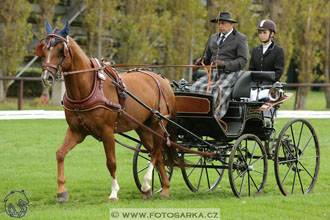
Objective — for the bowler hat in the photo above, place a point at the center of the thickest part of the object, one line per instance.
(224, 16)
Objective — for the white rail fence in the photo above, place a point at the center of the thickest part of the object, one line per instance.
(43, 114)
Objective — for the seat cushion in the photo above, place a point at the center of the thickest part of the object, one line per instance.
(242, 87)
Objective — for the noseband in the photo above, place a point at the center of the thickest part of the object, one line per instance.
(54, 39)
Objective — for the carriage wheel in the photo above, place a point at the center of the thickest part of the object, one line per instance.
(297, 157)
(204, 175)
(247, 166)
(140, 166)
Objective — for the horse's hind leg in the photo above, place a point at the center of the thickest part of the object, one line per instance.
(70, 141)
(154, 145)
(109, 147)
(147, 142)
(158, 143)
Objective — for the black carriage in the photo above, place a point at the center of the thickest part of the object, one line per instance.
(242, 142)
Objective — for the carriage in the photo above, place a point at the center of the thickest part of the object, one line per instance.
(242, 142)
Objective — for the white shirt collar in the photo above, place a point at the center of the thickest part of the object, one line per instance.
(265, 48)
(227, 33)
(218, 41)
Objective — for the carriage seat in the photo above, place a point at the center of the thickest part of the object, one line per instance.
(242, 87)
(251, 79)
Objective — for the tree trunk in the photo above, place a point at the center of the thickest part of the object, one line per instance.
(130, 7)
(99, 33)
(301, 102)
(2, 91)
(327, 59)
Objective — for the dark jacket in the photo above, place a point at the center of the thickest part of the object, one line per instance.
(234, 50)
(271, 60)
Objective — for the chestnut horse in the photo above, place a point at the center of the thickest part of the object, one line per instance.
(62, 54)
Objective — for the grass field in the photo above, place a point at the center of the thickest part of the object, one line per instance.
(27, 159)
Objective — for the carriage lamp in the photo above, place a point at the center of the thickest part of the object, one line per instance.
(276, 92)
(183, 85)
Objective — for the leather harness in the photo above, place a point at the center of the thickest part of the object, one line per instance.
(97, 99)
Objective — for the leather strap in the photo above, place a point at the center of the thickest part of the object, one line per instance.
(161, 93)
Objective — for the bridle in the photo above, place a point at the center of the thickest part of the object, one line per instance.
(54, 39)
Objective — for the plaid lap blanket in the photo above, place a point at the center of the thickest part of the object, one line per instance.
(221, 96)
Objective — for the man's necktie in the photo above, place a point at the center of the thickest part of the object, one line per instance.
(222, 39)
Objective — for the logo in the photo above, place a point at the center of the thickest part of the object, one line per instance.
(16, 204)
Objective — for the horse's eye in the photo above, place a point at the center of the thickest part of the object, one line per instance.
(61, 52)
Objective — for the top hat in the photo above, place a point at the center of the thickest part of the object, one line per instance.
(224, 16)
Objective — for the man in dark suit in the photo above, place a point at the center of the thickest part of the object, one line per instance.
(228, 51)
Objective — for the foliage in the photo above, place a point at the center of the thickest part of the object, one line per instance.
(301, 34)
(30, 89)
(174, 32)
(100, 27)
(284, 14)
(309, 40)
(47, 14)
(15, 34)
(182, 34)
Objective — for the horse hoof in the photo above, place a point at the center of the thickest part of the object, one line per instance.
(113, 199)
(164, 196)
(147, 194)
(63, 197)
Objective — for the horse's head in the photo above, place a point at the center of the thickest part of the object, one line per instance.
(56, 50)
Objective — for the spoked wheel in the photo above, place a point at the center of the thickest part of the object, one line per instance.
(247, 166)
(204, 174)
(140, 166)
(297, 158)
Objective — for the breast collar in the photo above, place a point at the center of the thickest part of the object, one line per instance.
(96, 99)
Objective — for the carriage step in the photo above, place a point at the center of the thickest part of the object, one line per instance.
(234, 128)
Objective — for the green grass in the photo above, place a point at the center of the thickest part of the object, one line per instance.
(27, 160)
(315, 101)
(28, 104)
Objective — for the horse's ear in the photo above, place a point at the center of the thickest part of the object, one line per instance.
(49, 29)
(65, 30)
(39, 51)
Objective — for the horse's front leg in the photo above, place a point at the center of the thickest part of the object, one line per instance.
(109, 147)
(70, 141)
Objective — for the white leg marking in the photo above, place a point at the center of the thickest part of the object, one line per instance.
(114, 189)
(147, 178)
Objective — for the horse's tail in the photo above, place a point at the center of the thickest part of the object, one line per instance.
(171, 156)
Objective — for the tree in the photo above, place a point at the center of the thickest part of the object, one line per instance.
(47, 14)
(138, 32)
(101, 20)
(326, 54)
(183, 33)
(309, 39)
(14, 36)
(283, 13)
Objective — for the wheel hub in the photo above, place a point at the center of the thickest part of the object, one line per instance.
(250, 168)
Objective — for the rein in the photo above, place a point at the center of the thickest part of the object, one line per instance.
(132, 65)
